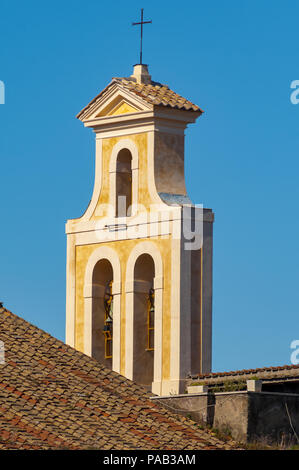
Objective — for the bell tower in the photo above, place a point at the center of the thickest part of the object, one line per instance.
(139, 260)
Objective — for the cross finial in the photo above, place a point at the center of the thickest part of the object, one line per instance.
(141, 22)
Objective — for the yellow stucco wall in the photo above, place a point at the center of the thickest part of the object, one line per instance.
(116, 107)
(122, 108)
(124, 248)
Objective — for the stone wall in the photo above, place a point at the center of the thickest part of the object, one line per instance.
(246, 416)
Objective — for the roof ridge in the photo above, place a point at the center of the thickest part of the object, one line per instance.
(246, 371)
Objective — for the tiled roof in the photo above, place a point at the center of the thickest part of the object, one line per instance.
(54, 397)
(154, 93)
(287, 372)
(158, 94)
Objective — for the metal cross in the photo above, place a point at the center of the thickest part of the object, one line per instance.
(141, 31)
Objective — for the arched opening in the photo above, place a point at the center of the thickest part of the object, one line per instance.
(144, 320)
(123, 183)
(102, 312)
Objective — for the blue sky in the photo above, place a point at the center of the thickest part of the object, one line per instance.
(237, 61)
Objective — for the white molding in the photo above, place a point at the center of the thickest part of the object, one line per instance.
(123, 144)
(169, 388)
(160, 214)
(175, 309)
(118, 130)
(110, 95)
(134, 123)
(185, 312)
(121, 120)
(107, 238)
(158, 282)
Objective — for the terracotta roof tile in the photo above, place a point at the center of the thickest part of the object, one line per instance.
(54, 397)
(153, 93)
(158, 94)
(267, 373)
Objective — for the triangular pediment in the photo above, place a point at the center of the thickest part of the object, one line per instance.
(118, 106)
(114, 101)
